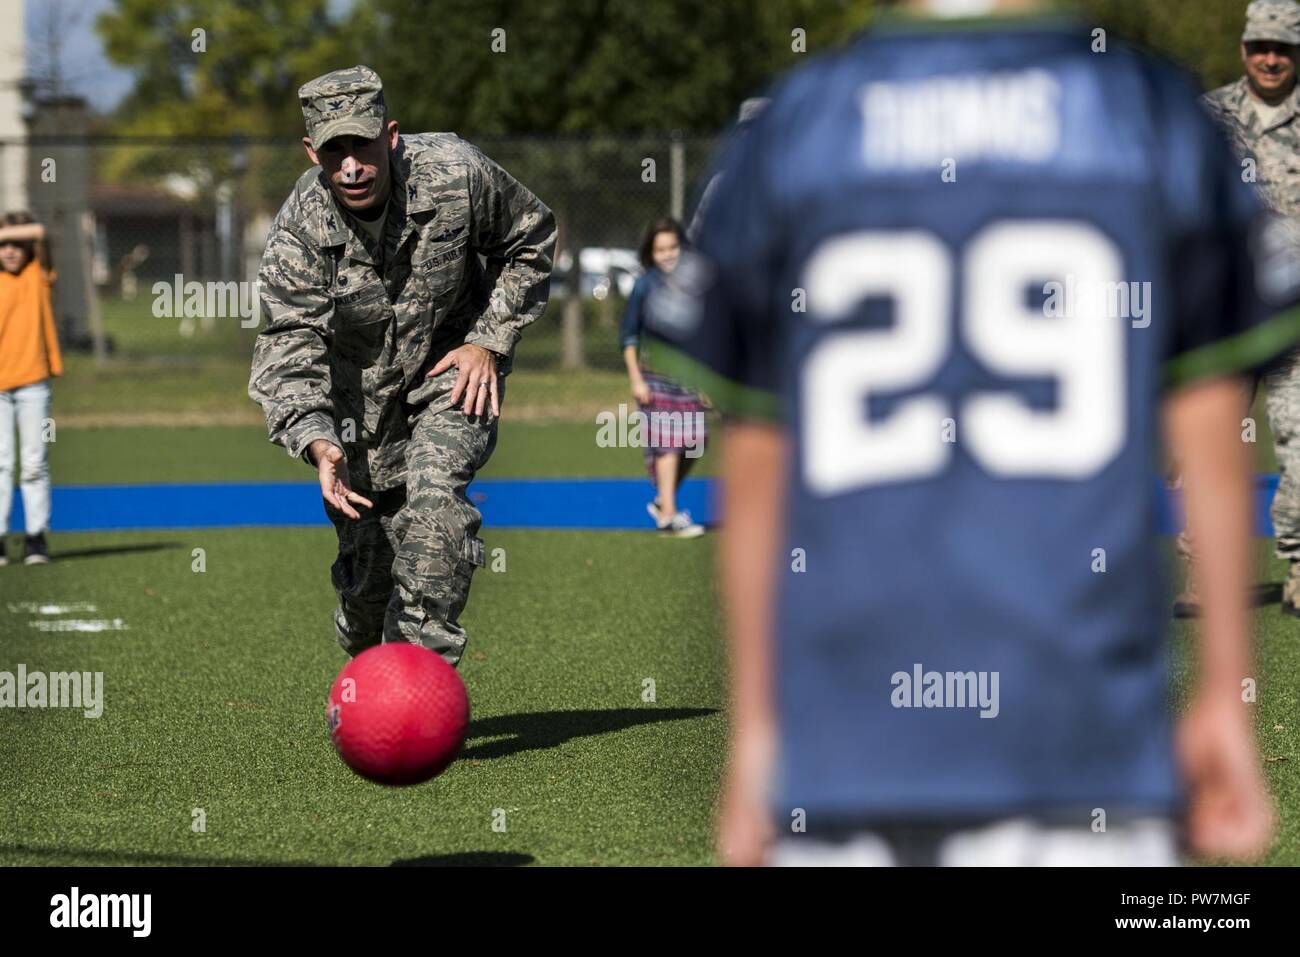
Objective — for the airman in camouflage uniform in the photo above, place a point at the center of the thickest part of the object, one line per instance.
(1261, 111)
(396, 280)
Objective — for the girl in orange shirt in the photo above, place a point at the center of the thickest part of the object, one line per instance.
(29, 358)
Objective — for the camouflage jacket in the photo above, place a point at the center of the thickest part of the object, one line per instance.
(352, 325)
(1274, 149)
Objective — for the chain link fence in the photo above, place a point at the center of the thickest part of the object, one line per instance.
(134, 220)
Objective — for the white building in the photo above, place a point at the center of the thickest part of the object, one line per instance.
(13, 129)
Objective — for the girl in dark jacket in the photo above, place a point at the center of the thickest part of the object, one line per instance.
(675, 428)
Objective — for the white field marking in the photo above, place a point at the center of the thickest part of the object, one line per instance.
(79, 624)
(36, 608)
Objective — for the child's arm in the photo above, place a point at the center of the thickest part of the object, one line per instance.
(639, 389)
(25, 233)
(753, 491)
(1229, 812)
(629, 335)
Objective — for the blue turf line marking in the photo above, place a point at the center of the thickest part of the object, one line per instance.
(505, 503)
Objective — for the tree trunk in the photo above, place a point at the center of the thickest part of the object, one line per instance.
(572, 356)
(572, 353)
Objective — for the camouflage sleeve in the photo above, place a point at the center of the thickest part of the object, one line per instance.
(291, 372)
(516, 232)
(1215, 102)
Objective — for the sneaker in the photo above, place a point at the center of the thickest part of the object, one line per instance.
(653, 509)
(681, 526)
(35, 551)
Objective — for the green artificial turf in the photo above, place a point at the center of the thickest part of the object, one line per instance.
(1277, 708)
(215, 690)
(155, 376)
(114, 456)
(213, 390)
(215, 700)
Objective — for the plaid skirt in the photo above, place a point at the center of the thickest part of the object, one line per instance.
(676, 422)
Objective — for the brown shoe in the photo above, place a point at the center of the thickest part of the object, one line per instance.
(1291, 592)
(1188, 604)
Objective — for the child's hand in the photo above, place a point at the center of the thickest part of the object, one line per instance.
(1230, 813)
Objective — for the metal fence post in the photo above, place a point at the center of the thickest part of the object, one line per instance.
(677, 175)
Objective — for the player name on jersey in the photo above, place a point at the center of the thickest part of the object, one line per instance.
(1007, 117)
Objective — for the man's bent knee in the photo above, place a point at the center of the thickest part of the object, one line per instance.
(433, 572)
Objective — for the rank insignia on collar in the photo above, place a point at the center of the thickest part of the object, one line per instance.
(330, 222)
(411, 191)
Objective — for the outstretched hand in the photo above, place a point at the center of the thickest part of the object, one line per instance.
(477, 379)
(332, 469)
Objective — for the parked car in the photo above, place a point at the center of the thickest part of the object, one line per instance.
(602, 270)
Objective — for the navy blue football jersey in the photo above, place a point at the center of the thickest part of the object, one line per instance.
(962, 266)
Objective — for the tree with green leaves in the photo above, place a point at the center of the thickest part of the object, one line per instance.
(593, 66)
(213, 68)
(1203, 35)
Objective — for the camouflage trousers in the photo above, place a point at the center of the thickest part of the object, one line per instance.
(404, 568)
(1283, 399)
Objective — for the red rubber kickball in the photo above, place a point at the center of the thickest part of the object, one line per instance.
(398, 714)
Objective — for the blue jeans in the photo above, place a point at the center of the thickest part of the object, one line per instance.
(28, 406)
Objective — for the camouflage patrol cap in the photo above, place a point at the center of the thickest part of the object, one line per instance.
(1276, 20)
(347, 102)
